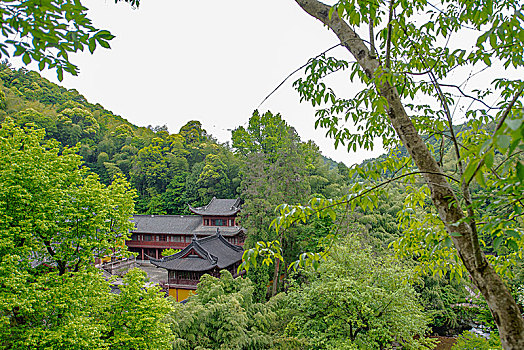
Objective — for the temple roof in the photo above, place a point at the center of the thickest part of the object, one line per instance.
(178, 224)
(218, 207)
(166, 223)
(211, 252)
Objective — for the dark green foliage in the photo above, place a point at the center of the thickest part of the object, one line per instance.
(447, 302)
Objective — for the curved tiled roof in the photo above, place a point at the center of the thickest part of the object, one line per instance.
(166, 223)
(213, 251)
(218, 207)
(179, 224)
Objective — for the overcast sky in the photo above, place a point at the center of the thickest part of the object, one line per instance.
(208, 60)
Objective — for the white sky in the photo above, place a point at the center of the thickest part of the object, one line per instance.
(208, 60)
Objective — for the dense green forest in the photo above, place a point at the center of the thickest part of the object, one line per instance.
(360, 297)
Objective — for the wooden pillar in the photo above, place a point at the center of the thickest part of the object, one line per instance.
(142, 256)
(156, 253)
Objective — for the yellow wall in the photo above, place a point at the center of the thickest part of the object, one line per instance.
(180, 294)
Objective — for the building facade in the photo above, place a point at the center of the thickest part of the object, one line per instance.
(206, 255)
(154, 233)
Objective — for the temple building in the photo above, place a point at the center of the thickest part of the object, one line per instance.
(154, 233)
(203, 255)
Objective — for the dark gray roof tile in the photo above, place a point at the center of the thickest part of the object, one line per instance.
(218, 207)
(166, 223)
(214, 251)
(179, 224)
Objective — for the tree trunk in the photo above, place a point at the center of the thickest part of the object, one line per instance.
(276, 276)
(502, 305)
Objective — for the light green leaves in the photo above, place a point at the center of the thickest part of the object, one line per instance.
(266, 252)
(224, 315)
(56, 208)
(46, 33)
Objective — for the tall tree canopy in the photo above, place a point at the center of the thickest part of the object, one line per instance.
(356, 300)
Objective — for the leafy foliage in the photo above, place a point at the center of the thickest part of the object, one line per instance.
(356, 300)
(47, 33)
(43, 309)
(468, 340)
(223, 315)
(52, 208)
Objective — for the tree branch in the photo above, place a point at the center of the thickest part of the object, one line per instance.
(388, 40)
(468, 96)
(497, 128)
(296, 70)
(371, 35)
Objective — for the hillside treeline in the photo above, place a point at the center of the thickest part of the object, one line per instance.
(168, 170)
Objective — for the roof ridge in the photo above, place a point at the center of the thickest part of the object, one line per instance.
(211, 201)
(231, 245)
(208, 254)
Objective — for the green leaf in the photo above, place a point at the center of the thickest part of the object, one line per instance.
(497, 241)
(503, 141)
(104, 34)
(470, 169)
(26, 58)
(479, 176)
(104, 44)
(513, 124)
(455, 234)
(513, 233)
(488, 159)
(513, 245)
(520, 171)
(60, 73)
(92, 45)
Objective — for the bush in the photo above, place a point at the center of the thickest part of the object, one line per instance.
(471, 341)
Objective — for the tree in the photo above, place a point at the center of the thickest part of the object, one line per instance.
(389, 65)
(138, 317)
(356, 300)
(41, 309)
(56, 218)
(53, 209)
(46, 33)
(273, 171)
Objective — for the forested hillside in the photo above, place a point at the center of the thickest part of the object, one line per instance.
(168, 171)
(373, 298)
